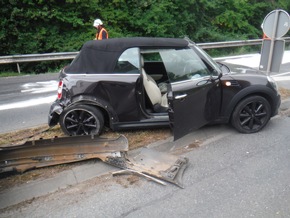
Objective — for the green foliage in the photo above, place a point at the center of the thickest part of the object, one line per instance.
(44, 26)
(32, 26)
(240, 17)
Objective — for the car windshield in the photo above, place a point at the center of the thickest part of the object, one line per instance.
(207, 57)
(186, 64)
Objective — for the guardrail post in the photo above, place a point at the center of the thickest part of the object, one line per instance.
(18, 68)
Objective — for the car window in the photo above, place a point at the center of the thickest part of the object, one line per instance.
(152, 56)
(214, 66)
(128, 62)
(183, 64)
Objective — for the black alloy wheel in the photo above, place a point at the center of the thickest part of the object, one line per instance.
(251, 114)
(82, 120)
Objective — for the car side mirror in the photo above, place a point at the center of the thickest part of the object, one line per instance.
(224, 68)
(214, 78)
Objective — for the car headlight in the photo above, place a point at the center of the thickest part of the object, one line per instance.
(273, 83)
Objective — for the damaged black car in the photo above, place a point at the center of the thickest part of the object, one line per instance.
(127, 83)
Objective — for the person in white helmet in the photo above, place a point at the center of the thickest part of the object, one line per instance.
(102, 33)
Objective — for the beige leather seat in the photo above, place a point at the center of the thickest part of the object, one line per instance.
(159, 101)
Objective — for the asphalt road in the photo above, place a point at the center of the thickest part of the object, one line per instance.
(25, 100)
(230, 175)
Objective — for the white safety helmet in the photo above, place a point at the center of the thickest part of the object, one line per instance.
(97, 22)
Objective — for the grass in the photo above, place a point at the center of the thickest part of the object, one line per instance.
(8, 74)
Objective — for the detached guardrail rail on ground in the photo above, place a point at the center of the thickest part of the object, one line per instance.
(71, 55)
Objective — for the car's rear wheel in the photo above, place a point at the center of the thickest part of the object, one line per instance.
(82, 120)
(251, 114)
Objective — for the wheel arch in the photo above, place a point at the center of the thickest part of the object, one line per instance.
(109, 114)
(262, 91)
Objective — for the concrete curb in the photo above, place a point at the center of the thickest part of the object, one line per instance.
(59, 181)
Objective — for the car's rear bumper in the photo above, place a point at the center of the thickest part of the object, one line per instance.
(54, 113)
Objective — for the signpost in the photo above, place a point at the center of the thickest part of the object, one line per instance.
(275, 25)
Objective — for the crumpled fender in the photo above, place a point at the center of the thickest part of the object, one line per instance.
(56, 108)
(104, 105)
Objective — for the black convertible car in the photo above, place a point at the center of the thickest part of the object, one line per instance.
(126, 83)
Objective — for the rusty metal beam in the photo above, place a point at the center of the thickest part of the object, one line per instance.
(149, 163)
(48, 152)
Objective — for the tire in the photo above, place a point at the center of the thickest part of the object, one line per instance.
(82, 120)
(251, 114)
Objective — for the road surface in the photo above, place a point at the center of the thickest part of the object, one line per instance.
(230, 175)
(25, 100)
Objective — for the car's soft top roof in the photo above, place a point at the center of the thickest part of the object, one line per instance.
(120, 44)
(100, 56)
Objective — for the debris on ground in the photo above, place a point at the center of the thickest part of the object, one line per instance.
(149, 163)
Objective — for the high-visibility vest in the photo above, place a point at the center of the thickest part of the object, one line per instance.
(100, 34)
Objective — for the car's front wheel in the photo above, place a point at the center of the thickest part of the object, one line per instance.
(251, 114)
(82, 120)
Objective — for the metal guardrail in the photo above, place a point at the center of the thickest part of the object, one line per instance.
(37, 57)
(211, 45)
(70, 55)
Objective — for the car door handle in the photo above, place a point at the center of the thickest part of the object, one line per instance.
(180, 96)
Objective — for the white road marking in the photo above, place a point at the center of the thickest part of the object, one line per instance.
(282, 74)
(40, 87)
(28, 103)
(251, 60)
(281, 78)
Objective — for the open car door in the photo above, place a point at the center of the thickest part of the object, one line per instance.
(194, 92)
(192, 105)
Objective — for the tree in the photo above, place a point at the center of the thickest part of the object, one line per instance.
(31, 26)
(44, 26)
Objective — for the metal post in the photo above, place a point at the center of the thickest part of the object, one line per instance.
(18, 68)
(273, 37)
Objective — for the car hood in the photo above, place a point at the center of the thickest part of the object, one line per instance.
(236, 69)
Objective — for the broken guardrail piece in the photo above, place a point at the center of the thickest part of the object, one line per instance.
(154, 163)
(139, 173)
(47, 152)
